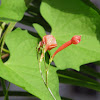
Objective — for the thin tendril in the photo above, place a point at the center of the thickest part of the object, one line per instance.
(40, 66)
(41, 73)
(45, 82)
(51, 93)
(45, 69)
(7, 92)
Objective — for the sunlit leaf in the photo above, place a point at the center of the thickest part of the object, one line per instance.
(22, 67)
(12, 10)
(68, 18)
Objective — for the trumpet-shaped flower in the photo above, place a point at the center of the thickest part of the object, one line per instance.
(75, 40)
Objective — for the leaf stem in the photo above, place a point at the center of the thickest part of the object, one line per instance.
(45, 68)
(9, 29)
(39, 61)
(5, 50)
(2, 27)
(45, 82)
(41, 73)
(51, 93)
(4, 87)
(6, 95)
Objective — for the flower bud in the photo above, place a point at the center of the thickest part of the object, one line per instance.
(76, 39)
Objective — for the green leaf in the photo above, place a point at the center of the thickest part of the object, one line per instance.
(12, 10)
(80, 79)
(78, 76)
(40, 30)
(68, 18)
(22, 67)
(91, 4)
(90, 71)
(79, 82)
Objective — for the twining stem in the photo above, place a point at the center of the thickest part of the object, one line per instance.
(3, 85)
(47, 71)
(39, 61)
(2, 40)
(41, 73)
(45, 82)
(4, 88)
(45, 68)
(9, 29)
(5, 50)
(47, 76)
(2, 28)
(44, 57)
(51, 93)
(6, 95)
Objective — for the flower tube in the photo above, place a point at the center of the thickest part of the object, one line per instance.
(75, 40)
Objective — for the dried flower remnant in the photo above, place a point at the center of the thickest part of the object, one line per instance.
(48, 42)
(75, 40)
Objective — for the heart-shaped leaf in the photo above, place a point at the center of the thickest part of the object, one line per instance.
(40, 30)
(12, 10)
(68, 18)
(22, 67)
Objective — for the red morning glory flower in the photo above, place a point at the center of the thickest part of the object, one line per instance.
(75, 40)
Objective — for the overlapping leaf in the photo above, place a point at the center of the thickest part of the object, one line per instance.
(40, 30)
(68, 18)
(78, 79)
(22, 67)
(12, 10)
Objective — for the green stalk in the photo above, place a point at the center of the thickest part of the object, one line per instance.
(47, 70)
(5, 50)
(6, 95)
(2, 27)
(39, 62)
(8, 30)
(4, 87)
(45, 82)
(45, 67)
